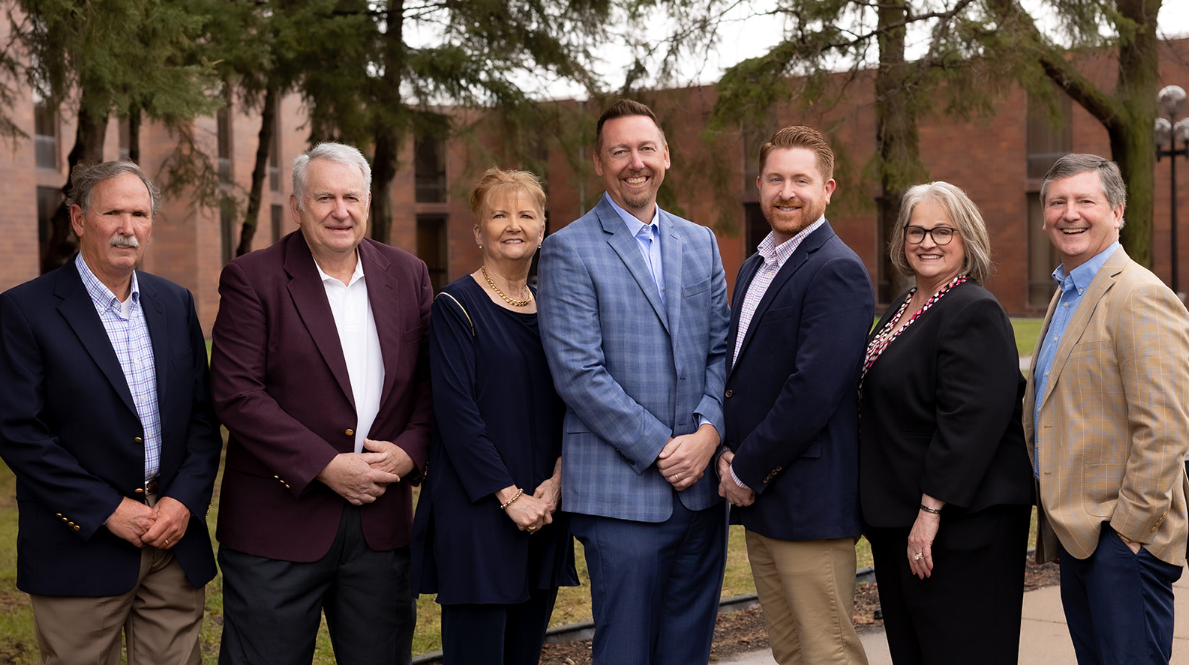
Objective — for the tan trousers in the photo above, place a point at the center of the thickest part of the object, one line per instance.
(807, 590)
(160, 617)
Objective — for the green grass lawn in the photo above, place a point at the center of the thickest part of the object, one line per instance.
(18, 644)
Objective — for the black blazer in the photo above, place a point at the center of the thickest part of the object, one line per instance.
(941, 413)
(790, 401)
(70, 432)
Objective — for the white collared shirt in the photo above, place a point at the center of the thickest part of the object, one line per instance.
(361, 345)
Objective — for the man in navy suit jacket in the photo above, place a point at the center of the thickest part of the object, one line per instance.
(800, 314)
(633, 317)
(106, 420)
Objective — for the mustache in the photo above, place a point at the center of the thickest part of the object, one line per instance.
(784, 203)
(124, 242)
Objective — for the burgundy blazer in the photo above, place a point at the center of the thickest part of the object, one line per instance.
(280, 385)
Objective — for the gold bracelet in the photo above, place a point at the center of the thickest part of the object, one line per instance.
(932, 511)
(504, 505)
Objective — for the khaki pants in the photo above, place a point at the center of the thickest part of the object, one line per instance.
(807, 590)
(160, 617)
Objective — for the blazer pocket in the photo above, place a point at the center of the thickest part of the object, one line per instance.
(1100, 488)
(412, 335)
(778, 314)
(576, 426)
(695, 289)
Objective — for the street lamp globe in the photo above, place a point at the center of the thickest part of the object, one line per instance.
(1171, 98)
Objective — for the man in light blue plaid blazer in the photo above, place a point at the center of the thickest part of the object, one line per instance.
(634, 317)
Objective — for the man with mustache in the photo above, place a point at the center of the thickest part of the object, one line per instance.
(633, 316)
(106, 421)
(1105, 417)
(800, 314)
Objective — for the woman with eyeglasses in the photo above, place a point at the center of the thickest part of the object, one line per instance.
(945, 482)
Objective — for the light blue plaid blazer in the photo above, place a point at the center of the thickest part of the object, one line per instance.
(633, 370)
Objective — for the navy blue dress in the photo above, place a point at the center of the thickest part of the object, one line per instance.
(497, 422)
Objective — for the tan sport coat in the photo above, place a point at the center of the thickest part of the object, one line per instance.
(1114, 419)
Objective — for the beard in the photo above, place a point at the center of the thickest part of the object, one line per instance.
(790, 224)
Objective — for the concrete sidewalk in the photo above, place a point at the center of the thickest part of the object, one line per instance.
(1044, 638)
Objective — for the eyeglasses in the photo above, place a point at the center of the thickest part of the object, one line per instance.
(942, 235)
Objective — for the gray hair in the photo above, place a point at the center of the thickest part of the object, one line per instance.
(335, 152)
(84, 179)
(1108, 172)
(963, 214)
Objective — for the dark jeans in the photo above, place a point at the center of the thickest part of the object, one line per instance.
(272, 608)
(1119, 605)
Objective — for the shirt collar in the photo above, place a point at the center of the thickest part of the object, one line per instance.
(634, 225)
(355, 276)
(778, 254)
(1082, 275)
(102, 296)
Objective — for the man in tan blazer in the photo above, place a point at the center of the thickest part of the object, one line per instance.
(1107, 423)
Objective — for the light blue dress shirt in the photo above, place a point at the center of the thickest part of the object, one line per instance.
(648, 237)
(1072, 287)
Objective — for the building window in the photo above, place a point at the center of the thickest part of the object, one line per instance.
(429, 169)
(227, 229)
(1048, 138)
(274, 158)
(223, 130)
(48, 200)
(757, 226)
(1042, 258)
(278, 221)
(431, 247)
(125, 138)
(45, 136)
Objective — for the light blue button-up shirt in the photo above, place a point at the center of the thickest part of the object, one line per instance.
(129, 335)
(1072, 287)
(648, 238)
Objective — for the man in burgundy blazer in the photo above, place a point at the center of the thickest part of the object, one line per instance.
(314, 514)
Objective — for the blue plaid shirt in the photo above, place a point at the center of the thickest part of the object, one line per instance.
(129, 336)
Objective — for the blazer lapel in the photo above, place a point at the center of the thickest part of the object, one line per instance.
(799, 258)
(79, 311)
(1030, 393)
(383, 298)
(625, 245)
(154, 316)
(309, 298)
(671, 253)
(1081, 317)
(746, 275)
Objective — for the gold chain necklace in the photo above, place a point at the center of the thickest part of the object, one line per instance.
(514, 303)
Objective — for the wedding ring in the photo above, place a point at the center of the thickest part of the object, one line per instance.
(677, 477)
(918, 556)
(166, 542)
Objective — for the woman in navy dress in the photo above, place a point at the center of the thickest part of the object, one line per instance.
(488, 539)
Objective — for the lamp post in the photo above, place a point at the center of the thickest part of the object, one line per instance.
(1171, 131)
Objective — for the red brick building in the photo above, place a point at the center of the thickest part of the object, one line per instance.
(998, 160)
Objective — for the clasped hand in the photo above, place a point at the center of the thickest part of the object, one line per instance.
(684, 458)
(727, 487)
(160, 526)
(364, 477)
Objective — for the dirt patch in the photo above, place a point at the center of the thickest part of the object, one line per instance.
(744, 631)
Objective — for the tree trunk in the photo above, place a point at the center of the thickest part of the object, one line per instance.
(268, 124)
(1132, 137)
(897, 139)
(87, 150)
(387, 97)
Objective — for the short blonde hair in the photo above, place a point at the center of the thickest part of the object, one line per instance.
(965, 217)
(500, 180)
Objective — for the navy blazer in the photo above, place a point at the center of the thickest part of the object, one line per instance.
(70, 432)
(791, 402)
